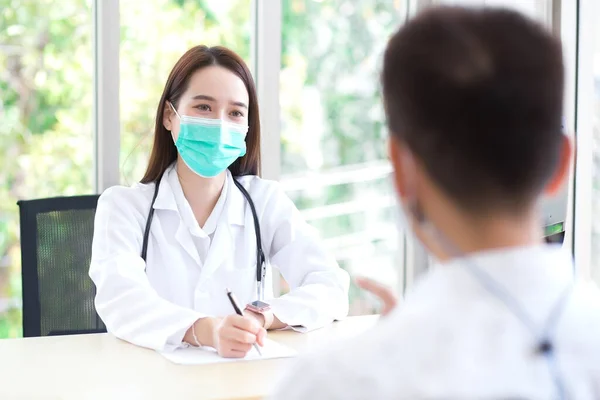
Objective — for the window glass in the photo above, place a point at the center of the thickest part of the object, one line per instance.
(333, 137)
(46, 109)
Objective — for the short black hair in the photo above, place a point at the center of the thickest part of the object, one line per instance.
(476, 94)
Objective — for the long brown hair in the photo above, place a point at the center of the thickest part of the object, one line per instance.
(164, 152)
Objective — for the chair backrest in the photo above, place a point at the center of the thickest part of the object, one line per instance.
(56, 249)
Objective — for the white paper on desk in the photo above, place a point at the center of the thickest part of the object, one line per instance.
(207, 355)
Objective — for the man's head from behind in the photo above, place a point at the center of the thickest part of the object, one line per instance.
(474, 105)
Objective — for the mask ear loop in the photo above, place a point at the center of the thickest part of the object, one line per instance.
(174, 110)
(409, 173)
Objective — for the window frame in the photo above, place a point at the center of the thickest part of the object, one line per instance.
(107, 129)
(265, 50)
(584, 128)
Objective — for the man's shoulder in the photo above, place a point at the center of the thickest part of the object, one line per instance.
(367, 366)
(580, 323)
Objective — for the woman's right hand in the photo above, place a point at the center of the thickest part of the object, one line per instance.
(234, 336)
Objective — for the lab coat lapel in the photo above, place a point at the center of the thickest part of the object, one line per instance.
(220, 251)
(166, 201)
(184, 237)
(222, 246)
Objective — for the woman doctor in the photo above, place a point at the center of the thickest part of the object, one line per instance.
(167, 288)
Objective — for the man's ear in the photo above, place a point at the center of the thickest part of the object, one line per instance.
(396, 152)
(561, 175)
(168, 116)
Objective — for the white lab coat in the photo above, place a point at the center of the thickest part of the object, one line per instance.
(451, 339)
(153, 304)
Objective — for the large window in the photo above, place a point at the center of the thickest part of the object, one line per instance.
(46, 114)
(333, 136)
(154, 35)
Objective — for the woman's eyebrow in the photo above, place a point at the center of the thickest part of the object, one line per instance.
(210, 98)
(204, 97)
(239, 104)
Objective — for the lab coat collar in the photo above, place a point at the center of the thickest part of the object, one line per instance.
(187, 214)
(165, 200)
(221, 246)
(210, 226)
(236, 203)
(235, 206)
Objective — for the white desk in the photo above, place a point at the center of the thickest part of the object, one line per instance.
(102, 367)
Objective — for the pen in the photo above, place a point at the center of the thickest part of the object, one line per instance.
(239, 312)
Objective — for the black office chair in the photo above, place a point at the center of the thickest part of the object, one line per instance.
(56, 248)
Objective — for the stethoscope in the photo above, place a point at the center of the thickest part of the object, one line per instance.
(261, 270)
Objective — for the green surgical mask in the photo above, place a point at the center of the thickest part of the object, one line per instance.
(209, 146)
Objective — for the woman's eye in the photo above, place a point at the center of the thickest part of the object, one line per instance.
(203, 107)
(236, 114)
